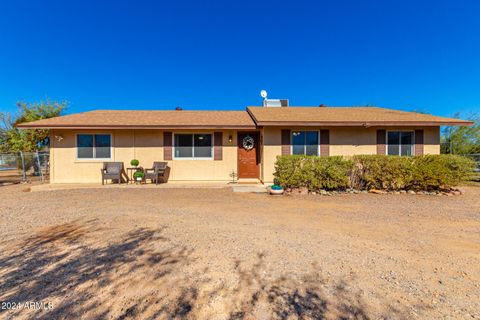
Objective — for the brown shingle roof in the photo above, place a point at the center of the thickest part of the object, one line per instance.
(271, 116)
(345, 116)
(147, 119)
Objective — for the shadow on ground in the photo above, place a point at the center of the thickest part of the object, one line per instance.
(143, 276)
(310, 297)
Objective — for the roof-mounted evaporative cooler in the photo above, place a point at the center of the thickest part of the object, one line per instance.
(273, 102)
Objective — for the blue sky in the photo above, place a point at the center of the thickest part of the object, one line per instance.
(409, 55)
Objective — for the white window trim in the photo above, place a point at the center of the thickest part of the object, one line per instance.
(93, 159)
(305, 146)
(193, 157)
(400, 144)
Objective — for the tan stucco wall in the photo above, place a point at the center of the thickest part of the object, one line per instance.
(147, 146)
(345, 141)
(144, 145)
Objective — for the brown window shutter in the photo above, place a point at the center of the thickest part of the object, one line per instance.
(418, 142)
(324, 143)
(285, 142)
(381, 141)
(167, 146)
(217, 146)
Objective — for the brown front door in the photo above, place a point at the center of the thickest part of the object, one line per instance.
(248, 155)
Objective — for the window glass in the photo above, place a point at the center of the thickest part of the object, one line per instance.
(305, 142)
(406, 140)
(393, 141)
(84, 146)
(183, 146)
(202, 145)
(298, 142)
(393, 149)
(400, 143)
(393, 137)
(193, 145)
(311, 143)
(102, 146)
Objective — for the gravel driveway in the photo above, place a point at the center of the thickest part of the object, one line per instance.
(213, 254)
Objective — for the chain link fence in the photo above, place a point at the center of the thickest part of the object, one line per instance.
(476, 158)
(16, 167)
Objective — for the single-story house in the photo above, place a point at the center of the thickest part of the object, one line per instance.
(210, 145)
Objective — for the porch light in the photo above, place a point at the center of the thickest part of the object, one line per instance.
(295, 133)
(230, 138)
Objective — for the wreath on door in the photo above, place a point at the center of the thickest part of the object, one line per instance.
(248, 143)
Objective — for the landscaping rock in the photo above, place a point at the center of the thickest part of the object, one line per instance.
(302, 190)
(376, 191)
(411, 192)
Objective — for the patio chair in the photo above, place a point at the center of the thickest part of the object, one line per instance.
(112, 171)
(158, 173)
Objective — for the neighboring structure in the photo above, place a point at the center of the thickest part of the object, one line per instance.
(209, 145)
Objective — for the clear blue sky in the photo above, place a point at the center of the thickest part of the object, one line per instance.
(410, 55)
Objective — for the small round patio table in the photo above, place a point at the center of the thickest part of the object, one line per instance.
(131, 171)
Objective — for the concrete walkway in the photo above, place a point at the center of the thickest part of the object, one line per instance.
(255, 188)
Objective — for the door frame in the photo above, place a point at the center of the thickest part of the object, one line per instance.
(258, 151)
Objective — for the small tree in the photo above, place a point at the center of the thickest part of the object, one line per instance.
(462, 140)
(13, 139)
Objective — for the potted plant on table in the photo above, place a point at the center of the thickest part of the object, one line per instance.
(138, 176)
(134, 163)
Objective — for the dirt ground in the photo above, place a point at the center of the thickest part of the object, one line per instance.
(214, 254)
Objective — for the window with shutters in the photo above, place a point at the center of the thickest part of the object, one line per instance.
(193, 146)
(400, 143)
(305, 142)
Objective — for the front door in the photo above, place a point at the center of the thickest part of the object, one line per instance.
(248, 155)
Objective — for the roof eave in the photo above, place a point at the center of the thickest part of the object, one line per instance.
(112, 127)
(362, 123)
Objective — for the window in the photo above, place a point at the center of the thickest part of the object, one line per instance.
(305, 142)
(400, 143)
(193, 145)
(94, 146)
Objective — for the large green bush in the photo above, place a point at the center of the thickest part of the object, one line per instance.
(440, 171)
(313, 172)
(381, 172)
(429, 172)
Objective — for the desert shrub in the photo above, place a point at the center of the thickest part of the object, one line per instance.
(381, 172)
(429, 172)
(440, 171)
(313, 172)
